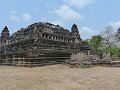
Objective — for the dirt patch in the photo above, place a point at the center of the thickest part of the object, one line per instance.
(59, 77)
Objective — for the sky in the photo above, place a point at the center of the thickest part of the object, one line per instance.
(91, 16)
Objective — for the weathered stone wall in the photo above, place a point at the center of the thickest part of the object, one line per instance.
(40, 41)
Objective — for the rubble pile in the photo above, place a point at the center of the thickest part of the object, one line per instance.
(82, 60)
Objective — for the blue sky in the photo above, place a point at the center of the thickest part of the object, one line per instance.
(91, 16)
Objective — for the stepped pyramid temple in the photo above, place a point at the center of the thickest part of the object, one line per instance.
(38, 44)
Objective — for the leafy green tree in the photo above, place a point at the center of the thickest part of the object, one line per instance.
(106, 41)
(100, 50)
(113, 51)
(95, 41)
(119, 52)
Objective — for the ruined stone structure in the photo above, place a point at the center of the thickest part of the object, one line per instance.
(38, 43)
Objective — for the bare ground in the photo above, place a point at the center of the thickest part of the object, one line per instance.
(59, 77)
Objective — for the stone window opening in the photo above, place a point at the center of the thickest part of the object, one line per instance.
(50, 37)
(64, 40)
(68, 40)
(59, 38)
(43, 35)
(46, 36)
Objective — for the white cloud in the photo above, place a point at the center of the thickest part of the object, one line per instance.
(14, 18)
(115, 25)
(58, 22)
(67, 14)
(86, 32)
(79, 3)
(26, 17)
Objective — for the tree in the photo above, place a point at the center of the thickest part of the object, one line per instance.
(106, 41)
(118, 34)
(95, 41)
(118, 37)
(100, 50)
(113, 51)
(118, 52)
(108, 36)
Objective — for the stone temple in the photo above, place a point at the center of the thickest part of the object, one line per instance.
(39, 43)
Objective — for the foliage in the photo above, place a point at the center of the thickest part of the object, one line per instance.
(118, 34)
(95, 41)
(113, 51)
(100, 50)
(106, 41)
(119, 52)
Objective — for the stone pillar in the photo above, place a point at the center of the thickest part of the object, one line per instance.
(40, 35)
(88, 52)
(48, 37)
(55, 37)
(63, 39)
(14, 61)
(52, 37)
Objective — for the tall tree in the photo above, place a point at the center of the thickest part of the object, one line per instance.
(95, 41)
(108, 36)
(114, 51)
(119, 52)
(118, 36)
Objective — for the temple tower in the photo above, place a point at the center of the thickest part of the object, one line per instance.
(5, 35)
(75, 34)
